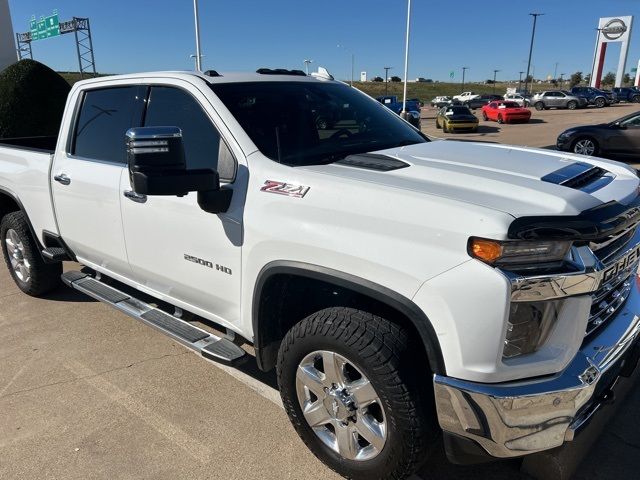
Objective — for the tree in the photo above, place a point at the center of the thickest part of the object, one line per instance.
(377, 79)
(587, 78)
(609, 79)
(529, 79)
(626, 79)
(32, 99)
(395, 79)
(576, 79)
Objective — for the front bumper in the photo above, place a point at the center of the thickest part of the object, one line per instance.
(462, 126)
(519, 418)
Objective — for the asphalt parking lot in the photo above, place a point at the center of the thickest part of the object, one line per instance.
(541, 131)
(87, 392)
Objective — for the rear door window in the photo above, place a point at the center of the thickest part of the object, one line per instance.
(105, 116)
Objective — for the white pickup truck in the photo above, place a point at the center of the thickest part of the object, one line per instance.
(465, 97)
(405, 290)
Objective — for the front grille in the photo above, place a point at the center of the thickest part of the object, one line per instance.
(611, 295)
(608, 299)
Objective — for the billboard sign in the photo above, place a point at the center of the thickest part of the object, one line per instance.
(45, 27)
(363, 76)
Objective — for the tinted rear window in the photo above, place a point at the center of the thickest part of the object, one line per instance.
(104, 118)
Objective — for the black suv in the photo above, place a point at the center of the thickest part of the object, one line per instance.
(627, 94)
(594, 96)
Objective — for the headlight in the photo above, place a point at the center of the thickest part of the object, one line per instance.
(514, 253)
(529, 326)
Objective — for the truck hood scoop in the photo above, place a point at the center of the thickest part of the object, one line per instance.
(580, 176)
(372, 161)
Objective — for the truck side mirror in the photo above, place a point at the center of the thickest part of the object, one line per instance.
(157, 166)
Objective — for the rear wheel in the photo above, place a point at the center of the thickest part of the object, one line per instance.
(349, 385)
(585, 146)
(500, 119)
(635, 99)
(539, 106)
(572, 105)
(20, 251)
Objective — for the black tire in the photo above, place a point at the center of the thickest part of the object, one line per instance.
(585, 139)
(383, 352)
(437, 124)
(539, 106)
(484, 116)
(635, 99)
(43, 277)
(600, 102)
(322, 123)
(572, 105)
(444, 127)
(500, 119)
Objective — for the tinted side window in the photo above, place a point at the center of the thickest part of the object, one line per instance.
(104, 118)
(173, 107)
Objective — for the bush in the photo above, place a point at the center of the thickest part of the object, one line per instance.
(32, 99)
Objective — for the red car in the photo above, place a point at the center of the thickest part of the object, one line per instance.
(505, 112)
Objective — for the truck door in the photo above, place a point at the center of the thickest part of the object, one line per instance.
(176, 250)
(86, 177)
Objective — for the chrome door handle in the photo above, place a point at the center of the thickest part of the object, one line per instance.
(136, 197)
(63, 179)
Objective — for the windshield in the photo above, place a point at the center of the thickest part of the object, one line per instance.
(510, 105)
(306, 123)
(458, 111)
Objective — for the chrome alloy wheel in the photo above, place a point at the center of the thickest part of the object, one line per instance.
(341, 405)
(15, 249)
(584, 147)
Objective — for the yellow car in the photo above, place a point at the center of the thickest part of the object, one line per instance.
(456, 118)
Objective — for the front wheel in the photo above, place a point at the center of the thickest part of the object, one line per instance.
(484, 116)
(572, 105)
(539, 106)
(585, 146)
(500, 119)
(20, 250)
(354, 394)
(600, 102)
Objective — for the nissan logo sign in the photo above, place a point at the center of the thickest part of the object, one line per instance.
(614, 29)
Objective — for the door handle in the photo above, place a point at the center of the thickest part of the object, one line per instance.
(63, 179)
(136, 197)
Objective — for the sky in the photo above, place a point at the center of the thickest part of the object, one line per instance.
(242, 35)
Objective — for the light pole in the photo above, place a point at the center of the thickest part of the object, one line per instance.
(406, 59)
(386, 79)
(533, 34)
(306, 65)
(494, 80)
(561, 80)
(520, 82)
(555, 71)
(464, 69)
(197, 27)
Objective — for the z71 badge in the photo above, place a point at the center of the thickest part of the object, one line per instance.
(287, 189)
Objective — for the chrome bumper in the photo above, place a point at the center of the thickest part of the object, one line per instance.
(519, 418)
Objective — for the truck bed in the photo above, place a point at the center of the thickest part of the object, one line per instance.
(24, 175)
(46, 144)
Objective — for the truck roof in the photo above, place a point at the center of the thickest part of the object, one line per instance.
(226, 77)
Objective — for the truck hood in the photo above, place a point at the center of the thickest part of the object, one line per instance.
(501, 177)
